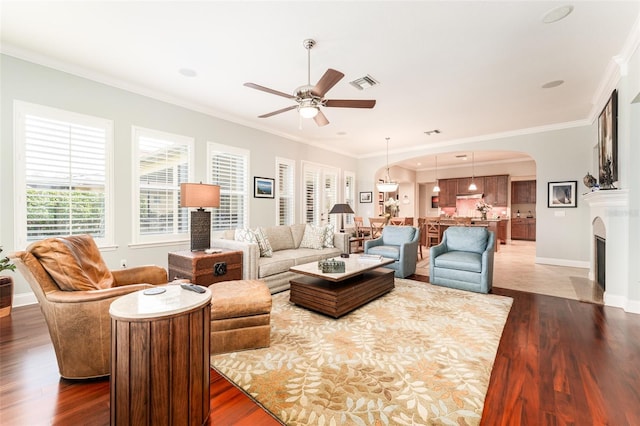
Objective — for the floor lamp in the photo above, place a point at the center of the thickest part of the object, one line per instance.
(341, 209)
(200, 195)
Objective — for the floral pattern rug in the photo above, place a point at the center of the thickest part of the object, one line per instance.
(420, 355)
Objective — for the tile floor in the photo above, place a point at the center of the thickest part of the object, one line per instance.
(515, 269)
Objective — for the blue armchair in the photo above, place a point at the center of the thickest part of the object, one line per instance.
(399, 243)
(464, 259)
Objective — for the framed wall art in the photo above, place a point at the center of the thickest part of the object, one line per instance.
(366, 197)
(562, 194)
(263, 187)
(608, 143)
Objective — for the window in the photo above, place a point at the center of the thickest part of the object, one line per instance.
(320, 193)
(349, 195)
(228, 167)
(285, 190)
(63, 174)
(162, 164)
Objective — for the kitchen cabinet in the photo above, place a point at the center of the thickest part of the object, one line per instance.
(496, 189)
(523, 192)
(523, 229)
(448, 192)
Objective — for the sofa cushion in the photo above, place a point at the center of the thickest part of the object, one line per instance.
(297, 231)
(74, 262)
(467, 238)
(392, 252)
(281, 261)
(280, 237)
(263, 243)
(305, 255)
(313, 237)
(460, 260)
(398, 235)
(328, 236)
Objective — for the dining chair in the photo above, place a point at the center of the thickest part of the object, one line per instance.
(432, 232)
(377, 223)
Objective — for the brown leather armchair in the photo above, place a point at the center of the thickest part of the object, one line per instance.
(75, 289)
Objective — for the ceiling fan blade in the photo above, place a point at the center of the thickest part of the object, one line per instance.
(321, 119)
(330, 78)
(278, 111)
(266, 89)
(350, 103)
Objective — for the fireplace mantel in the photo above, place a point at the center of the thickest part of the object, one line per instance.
(611, 207)
(608, 197)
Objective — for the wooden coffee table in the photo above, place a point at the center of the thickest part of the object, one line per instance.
(336, 294)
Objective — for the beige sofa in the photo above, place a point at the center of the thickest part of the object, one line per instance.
(285, 242)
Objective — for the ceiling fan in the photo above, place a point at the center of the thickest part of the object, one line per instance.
(311, 98)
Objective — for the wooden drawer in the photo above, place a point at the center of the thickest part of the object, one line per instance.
(205, 269)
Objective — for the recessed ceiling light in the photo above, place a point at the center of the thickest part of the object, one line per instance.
(557, 14)
(187, 72)
(552, 84)
(341, 133)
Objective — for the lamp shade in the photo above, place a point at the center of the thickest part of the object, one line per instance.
(199, 195)
(341, 208)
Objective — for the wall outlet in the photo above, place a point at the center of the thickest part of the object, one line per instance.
(123, 263)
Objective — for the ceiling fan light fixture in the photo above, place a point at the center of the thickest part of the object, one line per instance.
(307, 111)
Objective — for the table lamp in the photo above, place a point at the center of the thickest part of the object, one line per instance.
(200, 195)
(341, 209)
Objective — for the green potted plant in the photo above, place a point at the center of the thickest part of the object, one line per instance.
(6, 286)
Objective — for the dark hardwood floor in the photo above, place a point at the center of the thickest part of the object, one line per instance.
(560, 362)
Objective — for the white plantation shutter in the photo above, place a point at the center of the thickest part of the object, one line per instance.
(163, 163)
(320, 193)
(312, 190)
(64, 169)
(285, 192)
(349, 195)
(229, 167)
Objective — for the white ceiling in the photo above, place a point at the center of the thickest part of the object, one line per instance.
(466, 68)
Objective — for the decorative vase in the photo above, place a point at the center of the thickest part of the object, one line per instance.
(484, 216)
(6, 295)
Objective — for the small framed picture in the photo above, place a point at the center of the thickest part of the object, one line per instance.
(366, 197)
(562, 194)
(263, 187)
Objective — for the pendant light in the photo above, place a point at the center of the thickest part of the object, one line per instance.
(387, 185)
(473, 186)
(436, 188)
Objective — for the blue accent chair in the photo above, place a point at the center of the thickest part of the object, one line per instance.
(464, 259)
(399, 243)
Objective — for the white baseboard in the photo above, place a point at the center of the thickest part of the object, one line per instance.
(24, 299)
(631, 306)
(563, 262)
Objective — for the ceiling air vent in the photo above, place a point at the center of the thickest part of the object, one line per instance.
(365, 82)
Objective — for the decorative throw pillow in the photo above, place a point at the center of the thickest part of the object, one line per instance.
(328, 236)
(74, 262)
(313, 237)
(263, 243)
(246, 235)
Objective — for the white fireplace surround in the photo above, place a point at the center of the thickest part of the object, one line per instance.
(611, 207)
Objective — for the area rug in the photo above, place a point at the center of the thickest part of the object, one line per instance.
(421, 354)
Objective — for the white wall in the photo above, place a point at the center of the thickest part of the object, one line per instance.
(25, 81)
(558, 155)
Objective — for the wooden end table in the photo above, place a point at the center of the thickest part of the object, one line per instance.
(205, 268)
(160, 357)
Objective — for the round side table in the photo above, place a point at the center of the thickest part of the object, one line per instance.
(160, 357)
